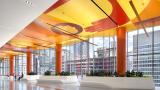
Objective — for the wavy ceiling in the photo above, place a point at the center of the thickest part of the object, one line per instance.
(69, 21)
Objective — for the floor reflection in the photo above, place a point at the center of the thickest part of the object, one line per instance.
(24, 85)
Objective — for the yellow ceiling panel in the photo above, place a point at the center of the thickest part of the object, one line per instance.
(139, 4)
(82, 12)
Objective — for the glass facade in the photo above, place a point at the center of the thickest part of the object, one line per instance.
(146, 53)
(4, 66)
(20, 64)
(43, 60)
(143, 54)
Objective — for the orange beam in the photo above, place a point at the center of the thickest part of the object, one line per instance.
(11, 63)
(29, 61)
(137, 15)
(58, 58)
(121, 51)
(56, 5)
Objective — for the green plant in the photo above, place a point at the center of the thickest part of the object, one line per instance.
(64, 73)
(47, 73)
(115, 74)
(133, 74)
(128, 74)
(72, 73)
(32, 73)
(99, 73)
(109, 74)
(91, 73)
(139, 74)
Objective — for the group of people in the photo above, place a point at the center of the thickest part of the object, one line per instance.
(19, 78)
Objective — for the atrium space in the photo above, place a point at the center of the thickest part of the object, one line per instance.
(80, 45)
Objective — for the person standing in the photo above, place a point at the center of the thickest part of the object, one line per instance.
(15, 77)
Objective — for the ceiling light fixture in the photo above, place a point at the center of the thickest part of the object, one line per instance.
(28, 2)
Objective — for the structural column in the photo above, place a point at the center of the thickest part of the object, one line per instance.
(29, 61)
(58, 58)
(121, 51)
(11, 64)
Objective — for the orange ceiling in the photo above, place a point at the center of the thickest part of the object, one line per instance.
(76, 20)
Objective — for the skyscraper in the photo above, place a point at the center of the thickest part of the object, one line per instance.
(146, 55)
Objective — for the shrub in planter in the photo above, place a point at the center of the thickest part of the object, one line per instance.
(72, 73)
(109, 74)
(91, 73)
(115, 74)
(47, 73)
(64, 73)
(139, 74)
(128, 74)
(101, 73)
(133, 74)
(32, 73)
(97, 73)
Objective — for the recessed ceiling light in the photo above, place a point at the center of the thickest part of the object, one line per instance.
(28, 2)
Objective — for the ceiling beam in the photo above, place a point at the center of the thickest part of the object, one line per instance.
(138, 17)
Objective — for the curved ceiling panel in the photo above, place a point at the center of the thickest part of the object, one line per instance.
(17, 14)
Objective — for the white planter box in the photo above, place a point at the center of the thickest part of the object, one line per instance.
(135, 83)
(31, 77)
(5, 77)
(58, 79)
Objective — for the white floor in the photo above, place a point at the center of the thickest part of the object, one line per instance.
(24, 85)
(157, 88)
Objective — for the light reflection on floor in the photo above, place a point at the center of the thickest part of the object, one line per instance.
(24, 85)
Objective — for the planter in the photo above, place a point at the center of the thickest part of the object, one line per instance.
(135, 83)
(5, 77)
(31, 77)
(58, 79)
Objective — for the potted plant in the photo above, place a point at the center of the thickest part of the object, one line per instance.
(32, 73)
(32, 76)
(64, 73)
(47, 73)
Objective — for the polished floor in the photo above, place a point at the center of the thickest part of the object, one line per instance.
(24, 85)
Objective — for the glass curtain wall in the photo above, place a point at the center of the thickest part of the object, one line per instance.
(143, 52)
(143, 55)
(20, 64)
(44, 60)
(81, 57)
(4, 67)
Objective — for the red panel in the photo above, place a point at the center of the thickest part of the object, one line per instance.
(57, 4)
(118, 15)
